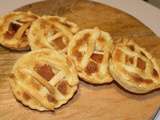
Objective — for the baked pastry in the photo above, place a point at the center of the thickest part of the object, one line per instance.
(51, 32)
(90, 51)
(14, 30)
(134, 68)
(43, 79)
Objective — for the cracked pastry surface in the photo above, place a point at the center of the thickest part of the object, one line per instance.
(14, 30)
(90, 50)
(43, 79)
(134, 68)
(52, 32)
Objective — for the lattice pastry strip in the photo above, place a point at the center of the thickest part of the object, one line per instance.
(21, 95)
(51, 32)
(134, 68)
(90, 50)
(14, 30)
(44, 79)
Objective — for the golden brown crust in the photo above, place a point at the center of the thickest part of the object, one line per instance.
(134, 68)
(90, 50)
(51, 32)
(14, 30)
(43, 79)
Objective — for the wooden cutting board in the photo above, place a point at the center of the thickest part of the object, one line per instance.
(104, 102)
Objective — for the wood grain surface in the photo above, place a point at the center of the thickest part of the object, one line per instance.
(104, 102)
